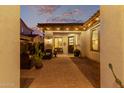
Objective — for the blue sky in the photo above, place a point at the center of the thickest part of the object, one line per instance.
(33, 14)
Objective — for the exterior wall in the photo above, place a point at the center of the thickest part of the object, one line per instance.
(112, 44)
(48, 40)
(82, 44)
(9, 50)
(89, 53)
(85, 47)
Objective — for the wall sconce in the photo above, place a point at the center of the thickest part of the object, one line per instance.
(48, 41)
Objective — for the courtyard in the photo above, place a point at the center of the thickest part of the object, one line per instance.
(62, 52)
(60, 72)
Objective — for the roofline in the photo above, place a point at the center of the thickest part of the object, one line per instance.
(55, 24)
(25, 25)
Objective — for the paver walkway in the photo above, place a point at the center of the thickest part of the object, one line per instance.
(58, 72)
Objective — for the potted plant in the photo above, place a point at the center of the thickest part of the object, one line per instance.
(76, 52)
(38, 63)
(37, 57)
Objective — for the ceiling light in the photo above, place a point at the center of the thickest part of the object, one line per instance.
(89, 24)
(67, 28)
(76, 28)
(48, 28)
(84, 28)
(58, 28)
(97, 18)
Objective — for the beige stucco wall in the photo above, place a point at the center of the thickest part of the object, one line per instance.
(85, 42)
(9, 46)
(82, 44)
(48, 40)
(112, 44)
(89, 53)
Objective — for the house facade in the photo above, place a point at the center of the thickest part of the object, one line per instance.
(66, 37)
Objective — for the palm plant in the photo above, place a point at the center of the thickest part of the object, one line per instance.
(37, 56)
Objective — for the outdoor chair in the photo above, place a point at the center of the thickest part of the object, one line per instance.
(48, 54)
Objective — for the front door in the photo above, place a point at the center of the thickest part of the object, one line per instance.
(70, 44)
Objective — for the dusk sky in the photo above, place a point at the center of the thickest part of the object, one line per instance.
(33, 14)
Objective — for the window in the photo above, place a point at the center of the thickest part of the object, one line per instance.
(58, 42)
(95, 40)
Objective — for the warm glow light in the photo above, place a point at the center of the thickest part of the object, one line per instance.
(89, 24)
(97, 18)
(58, 28)
(48, 28)
(48, 41)
(84, 28)
(41, 28)
(67, 28)
(76, 28)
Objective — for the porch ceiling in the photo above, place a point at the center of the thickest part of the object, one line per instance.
(61, 26)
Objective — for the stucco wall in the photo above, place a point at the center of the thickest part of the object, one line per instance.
(82, 44)
(85, 47)
(112, 44)
(9, 46)
(48, 40)
(89, 53)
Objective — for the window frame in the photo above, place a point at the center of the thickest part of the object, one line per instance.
(91, 40)
(57, 38)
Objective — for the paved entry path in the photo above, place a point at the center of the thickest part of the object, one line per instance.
(60, 72)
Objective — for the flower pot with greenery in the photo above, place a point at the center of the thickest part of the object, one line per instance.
(76, 52)
(38, 62)
(37, 57)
